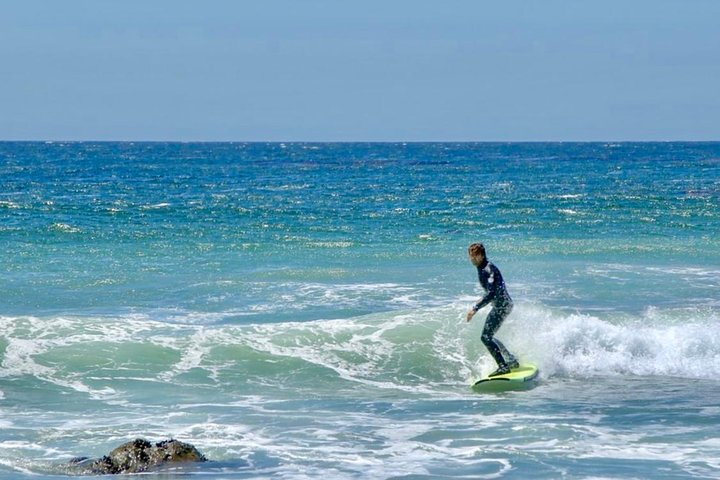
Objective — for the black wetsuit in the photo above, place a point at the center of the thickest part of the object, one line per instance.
(492, 282)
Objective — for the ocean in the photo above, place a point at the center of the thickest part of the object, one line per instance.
(297, 310)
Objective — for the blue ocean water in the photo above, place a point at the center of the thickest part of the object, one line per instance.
(297, 310)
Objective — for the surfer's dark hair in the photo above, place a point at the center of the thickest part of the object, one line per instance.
(477, 248)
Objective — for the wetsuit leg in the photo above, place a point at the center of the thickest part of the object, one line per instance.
(495, 347)
(509, 357)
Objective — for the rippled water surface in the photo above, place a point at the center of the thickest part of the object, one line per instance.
(297, 310)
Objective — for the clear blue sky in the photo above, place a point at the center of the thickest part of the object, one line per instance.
(336, 70)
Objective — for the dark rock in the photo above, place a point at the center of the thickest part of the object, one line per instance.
(137, 456)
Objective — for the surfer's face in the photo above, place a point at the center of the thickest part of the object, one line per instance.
(477, 259)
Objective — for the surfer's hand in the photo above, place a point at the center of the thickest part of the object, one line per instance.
(470, 314)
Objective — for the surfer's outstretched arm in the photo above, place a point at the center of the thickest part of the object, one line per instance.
(481, 303)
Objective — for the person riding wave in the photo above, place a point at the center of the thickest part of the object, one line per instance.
(497, 295)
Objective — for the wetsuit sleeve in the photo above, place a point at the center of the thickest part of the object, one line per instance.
(492, 287)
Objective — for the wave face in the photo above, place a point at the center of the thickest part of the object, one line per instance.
(298, 310)
(114, 359)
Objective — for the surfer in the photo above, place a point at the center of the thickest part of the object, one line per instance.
(496, 294)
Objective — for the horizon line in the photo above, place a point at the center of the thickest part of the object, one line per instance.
(611, 141)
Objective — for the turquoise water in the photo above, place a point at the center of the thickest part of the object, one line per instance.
(297, 310)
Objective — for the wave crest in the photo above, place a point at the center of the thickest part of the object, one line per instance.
(424, 351)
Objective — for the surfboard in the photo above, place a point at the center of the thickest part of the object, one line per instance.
(520, 378)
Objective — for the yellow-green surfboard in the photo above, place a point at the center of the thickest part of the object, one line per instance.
(520, 378)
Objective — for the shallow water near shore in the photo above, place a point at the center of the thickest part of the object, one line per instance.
(297, 310)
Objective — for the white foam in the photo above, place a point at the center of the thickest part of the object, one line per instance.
(569, 211)
(304, 296)
(157, 206)
(8, 204)
(29, 338)
(64, 227)
(193, 350)
(653, 344)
